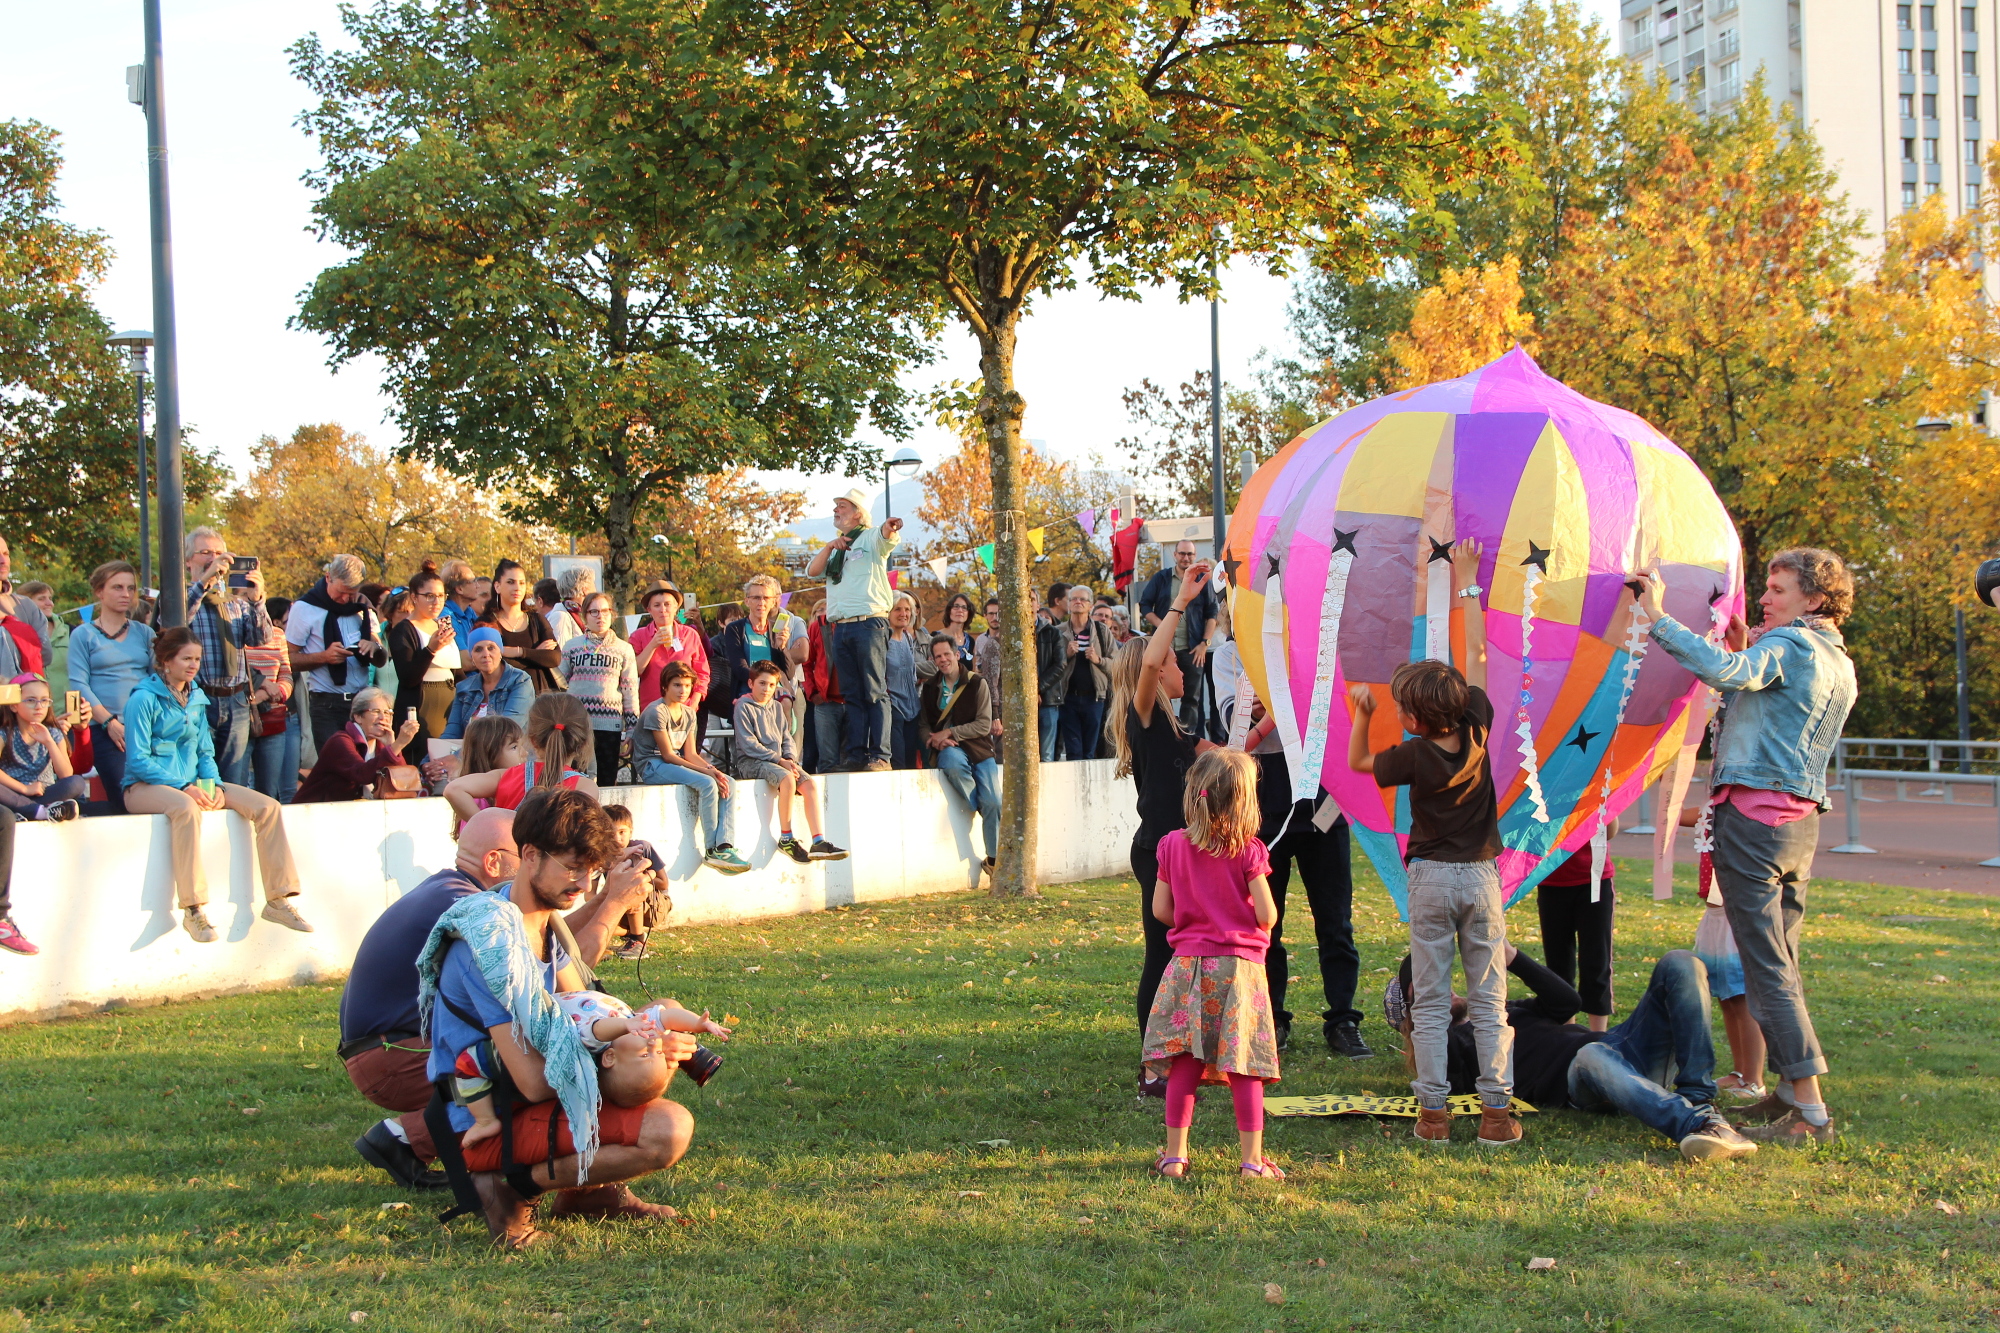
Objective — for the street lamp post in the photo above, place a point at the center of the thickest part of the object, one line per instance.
(904, 463)
(145, 85)
(135, 342)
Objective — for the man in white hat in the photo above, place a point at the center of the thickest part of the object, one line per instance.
(858, 597)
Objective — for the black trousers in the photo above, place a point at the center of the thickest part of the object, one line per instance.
(608, 744)
(1146, 869)
(1328, 880)
(1576, 939)
(7, 864)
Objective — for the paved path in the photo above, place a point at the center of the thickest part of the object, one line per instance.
(1922, 845)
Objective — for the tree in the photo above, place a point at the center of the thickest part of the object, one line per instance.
(1471, 317)
(964, 159)
(67, 454)
(535, 339)
(327, 490)
(1175, 453)
(719, 530)
(958, 506)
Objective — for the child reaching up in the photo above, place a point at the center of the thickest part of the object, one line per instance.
(1455, 901)
(1211, 1018)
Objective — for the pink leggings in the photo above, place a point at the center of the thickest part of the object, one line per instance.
(1244, 1089)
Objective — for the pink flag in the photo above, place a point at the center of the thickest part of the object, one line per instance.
(894, 576)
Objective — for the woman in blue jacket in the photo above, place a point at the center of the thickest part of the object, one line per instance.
(170, 770)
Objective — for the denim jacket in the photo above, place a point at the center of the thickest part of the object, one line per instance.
(510, 698)
(1788, 695)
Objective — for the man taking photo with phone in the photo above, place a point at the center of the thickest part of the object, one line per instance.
(223, 619)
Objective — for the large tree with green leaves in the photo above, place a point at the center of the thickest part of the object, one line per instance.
(964, 158)
(531, 337)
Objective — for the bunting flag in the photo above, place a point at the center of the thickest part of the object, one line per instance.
(784, 600)
(938, 567)
(895, 578)
(1086, 518)
(985, 555)
(1035, 538)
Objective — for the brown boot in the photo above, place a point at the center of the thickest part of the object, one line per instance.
(610, 1201)
(1433, 1125)
(510, 1219)
(1499, 1127)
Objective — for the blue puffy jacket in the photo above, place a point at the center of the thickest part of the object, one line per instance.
(167, 742)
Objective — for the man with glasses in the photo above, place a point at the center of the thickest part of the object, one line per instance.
(226, 620)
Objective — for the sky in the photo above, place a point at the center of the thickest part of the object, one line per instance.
(244, 251)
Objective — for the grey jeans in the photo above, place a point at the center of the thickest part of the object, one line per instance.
(1457, 906)
(1762, 872)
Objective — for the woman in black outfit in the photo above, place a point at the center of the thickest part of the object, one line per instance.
(424, 684)
(1150, 745)
(526, 639)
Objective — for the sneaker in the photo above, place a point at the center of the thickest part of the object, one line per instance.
(724, 858)
(1773, 1107)
(12, 940)
(822, 850)
(1151, 1084)
(1433, 1125)
(1499, 1127)
(989, 865)
(632, 948)
(1345, 1039)
(1284, 1033)
(379, 1147)
(793, 848)
(280, 912)
(876, 766)
(64, 810)
(1742, 1092)
(196, 923)
(1791, 1129)
(1717, 1141)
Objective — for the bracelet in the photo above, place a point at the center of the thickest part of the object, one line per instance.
(1174, 611)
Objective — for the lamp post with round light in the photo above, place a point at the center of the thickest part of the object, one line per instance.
(904, 463)
(135, 342)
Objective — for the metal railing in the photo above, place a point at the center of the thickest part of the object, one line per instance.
(1903, 762)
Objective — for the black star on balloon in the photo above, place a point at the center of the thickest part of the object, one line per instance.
(1583, 738)
(1538, 557)
(1715, 597)
(1229, 568)
(1636, 586)
(1344, 541)
(1271, 573)
(1439, 550)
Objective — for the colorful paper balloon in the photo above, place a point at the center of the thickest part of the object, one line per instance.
(1339, 571)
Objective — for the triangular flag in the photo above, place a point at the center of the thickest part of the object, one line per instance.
(1114, 518)
(894, 576)
(1087, 520)
(783, 599)
(938, 567)
(1035, 538)
(985, 555)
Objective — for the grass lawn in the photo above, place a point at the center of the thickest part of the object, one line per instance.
(927, 1122)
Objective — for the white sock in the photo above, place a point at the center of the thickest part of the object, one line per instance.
(395, 1127)
(1786, 1095)
(1814, 1112)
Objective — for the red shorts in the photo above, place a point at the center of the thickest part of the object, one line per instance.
(615, 1124)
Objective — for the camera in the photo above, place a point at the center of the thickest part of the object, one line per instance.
(239, 569)
(701, 1066)
(1987, 580)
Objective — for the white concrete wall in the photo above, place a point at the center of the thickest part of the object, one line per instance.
(97, 894)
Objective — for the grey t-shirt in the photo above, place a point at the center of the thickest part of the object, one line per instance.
(655, 719)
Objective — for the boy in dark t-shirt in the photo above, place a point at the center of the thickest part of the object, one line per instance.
(1455, 900)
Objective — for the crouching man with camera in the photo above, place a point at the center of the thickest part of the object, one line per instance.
(488, 976)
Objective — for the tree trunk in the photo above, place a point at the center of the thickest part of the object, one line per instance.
(618, 514)
(1000, 411)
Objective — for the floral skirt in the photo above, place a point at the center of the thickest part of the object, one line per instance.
(1217, 1010)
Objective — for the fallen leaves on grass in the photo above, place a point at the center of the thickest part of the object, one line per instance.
(996, 1143)
(1274, 1293)
(1539, 1265)
(972, 1194)
(390, 1207)
(1945, 1206)
(357, 1316)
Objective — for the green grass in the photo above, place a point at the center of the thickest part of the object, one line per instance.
(839, 1180)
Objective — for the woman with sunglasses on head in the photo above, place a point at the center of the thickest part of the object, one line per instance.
(526, 639)
(424, 647)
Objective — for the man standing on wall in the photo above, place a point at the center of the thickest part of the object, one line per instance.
(856, 566)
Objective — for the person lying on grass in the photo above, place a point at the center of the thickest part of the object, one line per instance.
(490, 971)
(1624, 1071)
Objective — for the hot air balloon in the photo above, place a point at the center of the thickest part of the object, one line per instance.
(1338, 569)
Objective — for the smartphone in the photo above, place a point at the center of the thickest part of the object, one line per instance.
(74, 707)
(239, 567)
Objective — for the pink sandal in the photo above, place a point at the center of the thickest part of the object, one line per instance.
(1264, 1170)
(1160, 1167)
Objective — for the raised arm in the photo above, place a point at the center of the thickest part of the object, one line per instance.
(1758, 667)
(1465, 574)
(1359, 757)
(1160, 644)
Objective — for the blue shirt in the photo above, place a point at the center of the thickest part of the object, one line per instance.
(460, 980)
(103, 669)
(381, 991)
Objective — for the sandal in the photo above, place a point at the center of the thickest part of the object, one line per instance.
(1264, 1170)
(1160, 1167)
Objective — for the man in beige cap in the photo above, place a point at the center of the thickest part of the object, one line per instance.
(858, 597)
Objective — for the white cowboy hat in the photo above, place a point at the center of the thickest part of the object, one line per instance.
(859, 499)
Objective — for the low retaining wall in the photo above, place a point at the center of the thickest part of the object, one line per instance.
(97, 894)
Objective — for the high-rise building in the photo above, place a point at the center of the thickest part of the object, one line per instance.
(1892, 91)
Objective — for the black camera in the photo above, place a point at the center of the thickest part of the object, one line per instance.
(1986, 580)
(239, 570)
(701, 1066)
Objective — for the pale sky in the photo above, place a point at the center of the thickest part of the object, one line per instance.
(243, 253)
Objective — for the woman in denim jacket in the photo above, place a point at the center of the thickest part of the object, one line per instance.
(1787, 692)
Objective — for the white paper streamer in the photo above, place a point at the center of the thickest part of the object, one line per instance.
(1312, 760)
(1277, 668)
(1636, 640)
(1239, 720)
(1531, 579)
(1600, 847)
(1437, 611)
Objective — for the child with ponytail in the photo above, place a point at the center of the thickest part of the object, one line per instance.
(1211, 1019)
(559, 741)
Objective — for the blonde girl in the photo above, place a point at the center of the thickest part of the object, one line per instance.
(1211, 1017)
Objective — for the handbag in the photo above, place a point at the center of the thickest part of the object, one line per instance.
(399, 782)
(272, 716)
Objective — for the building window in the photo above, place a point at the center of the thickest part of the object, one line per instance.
(1972, 152)
(1727, 44)
(1928, 17)
(1930, 106)
(1971, 108)
(1929, 62)
(1640, 39)
(1931, 188)
(1670, 24)
(1968, 64)
(1906, 106)
(1968, 19)
(1904, 65)
(1909, 150)
(1909, 194)
(1903, 18)
(1728, 83)
(1971, 197)
(1930, 150)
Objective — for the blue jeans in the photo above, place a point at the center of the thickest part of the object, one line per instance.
(709, 801)
(1082, 727)
(1667, 1038)
(275, 777)
(58, 789)
(904, 742)
(1048, 721)
(110, 766)
(229, 717)
(977, 788)
(828, 722)
(861, 659)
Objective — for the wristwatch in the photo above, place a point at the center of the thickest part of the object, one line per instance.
(1471, 590)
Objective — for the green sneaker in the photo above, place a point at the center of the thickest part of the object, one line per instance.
(724, 858)
(795, 849)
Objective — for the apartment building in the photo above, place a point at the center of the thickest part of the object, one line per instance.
(1893, 91)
